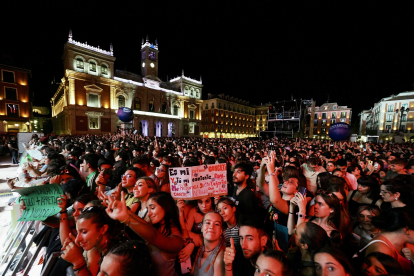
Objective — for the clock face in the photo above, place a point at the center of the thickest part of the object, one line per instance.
(152, 65)
(143, 64)
(152, 55)
(143, 55)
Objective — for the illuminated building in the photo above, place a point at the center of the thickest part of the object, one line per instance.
(325, 116)
(15, 110)
(91, 92)
(228, 117)
(385, 118)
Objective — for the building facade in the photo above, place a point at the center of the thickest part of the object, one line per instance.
(15, 102)
(227, 117)
(262, 112)
(325, 116)
(91, 92)
(386, 119)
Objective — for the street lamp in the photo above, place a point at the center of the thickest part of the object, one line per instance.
(401, 111)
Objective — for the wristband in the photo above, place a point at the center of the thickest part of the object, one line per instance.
(272, 174)
(63, 212)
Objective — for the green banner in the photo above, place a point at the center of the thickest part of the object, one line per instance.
(40, 201)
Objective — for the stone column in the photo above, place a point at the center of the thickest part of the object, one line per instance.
(72, 99)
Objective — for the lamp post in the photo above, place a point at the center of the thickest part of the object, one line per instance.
(401, 111)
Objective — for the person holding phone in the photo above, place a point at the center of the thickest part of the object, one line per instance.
(280, 200)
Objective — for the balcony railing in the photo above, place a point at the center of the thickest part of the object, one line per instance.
(386, 131)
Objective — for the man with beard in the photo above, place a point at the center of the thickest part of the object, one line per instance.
(245, 198)
(253, 239)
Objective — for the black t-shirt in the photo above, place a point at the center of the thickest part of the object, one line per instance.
(246, 204)
(13, 143)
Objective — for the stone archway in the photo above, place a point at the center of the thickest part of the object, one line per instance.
(158, 129)
(171, 129)
(143, 127)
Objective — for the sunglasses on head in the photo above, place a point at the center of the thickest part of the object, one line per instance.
(65, 171)
(91, 209)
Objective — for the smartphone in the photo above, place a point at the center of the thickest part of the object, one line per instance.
(302, 190)
(108, 171)
(365, 149)
(186, 266)
(370, 161)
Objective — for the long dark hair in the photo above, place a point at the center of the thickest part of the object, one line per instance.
(391, 265)
(372, 183)
(171, 218)
(333, 202)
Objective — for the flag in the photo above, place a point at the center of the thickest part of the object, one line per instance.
(159, 109)
(153, 102)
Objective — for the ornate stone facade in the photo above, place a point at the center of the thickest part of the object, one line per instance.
(91, 92)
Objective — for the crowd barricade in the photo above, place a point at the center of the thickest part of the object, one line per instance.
(18, 235)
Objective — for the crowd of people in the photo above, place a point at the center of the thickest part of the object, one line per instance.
(294, 206)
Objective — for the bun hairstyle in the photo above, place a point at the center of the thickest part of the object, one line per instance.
(394, 219)
(401, 184)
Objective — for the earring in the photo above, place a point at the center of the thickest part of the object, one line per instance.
(396, 198)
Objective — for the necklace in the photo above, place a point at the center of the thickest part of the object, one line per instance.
(205, 251)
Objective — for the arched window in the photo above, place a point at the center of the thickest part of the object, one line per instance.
(121, 101)
(137, 103)
(104, 69)
(151, 105)
(92, 66)
(79, 63)
(175, 110)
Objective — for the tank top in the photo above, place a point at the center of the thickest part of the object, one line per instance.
(404, 262)
(162, 266)
(197, 227)
(200, 271)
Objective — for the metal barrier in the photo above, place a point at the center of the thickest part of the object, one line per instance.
(12, 238)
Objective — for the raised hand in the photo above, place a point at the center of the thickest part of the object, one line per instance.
(62, 201)
(301, 201)
(117, 209)
(55, 180)
(185, 253)
(72, 252)
(230, 254)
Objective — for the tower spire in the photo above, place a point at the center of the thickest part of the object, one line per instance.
(111, 48)
(70, 35)
(147, 39)
(182, 72)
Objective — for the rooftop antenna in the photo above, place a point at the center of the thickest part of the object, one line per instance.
(328, 99)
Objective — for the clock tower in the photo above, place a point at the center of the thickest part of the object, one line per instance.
(149, 58)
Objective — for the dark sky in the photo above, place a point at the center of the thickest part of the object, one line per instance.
(259, 51)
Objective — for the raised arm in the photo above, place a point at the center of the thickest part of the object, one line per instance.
(275, 196)
(117, 210)
(260, 180)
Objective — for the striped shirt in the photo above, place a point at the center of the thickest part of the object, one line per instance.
(232, 233)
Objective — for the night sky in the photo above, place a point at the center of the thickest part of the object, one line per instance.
(261, 51)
